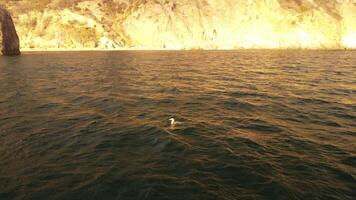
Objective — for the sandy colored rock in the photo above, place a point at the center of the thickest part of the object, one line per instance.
(184, 24)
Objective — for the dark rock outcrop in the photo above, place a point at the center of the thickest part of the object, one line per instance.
(10, 39)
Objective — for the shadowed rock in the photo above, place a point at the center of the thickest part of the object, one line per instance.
(10, 39)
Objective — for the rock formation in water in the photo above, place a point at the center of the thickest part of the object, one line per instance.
(10, 39)
(184, 24)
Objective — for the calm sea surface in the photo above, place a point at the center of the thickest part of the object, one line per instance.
(278, 125)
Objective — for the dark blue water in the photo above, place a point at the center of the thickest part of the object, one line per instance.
(277, 125)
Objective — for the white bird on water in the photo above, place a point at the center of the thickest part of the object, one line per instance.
(174, 122)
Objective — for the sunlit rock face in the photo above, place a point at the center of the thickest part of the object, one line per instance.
(10, 40)
(184, 24)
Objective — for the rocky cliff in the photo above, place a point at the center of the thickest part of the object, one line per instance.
(184, 24)
(10, 39)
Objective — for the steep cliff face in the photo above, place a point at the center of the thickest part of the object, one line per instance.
(10, 39)
(184, 24)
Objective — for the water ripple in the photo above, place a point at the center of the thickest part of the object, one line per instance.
(255, 125)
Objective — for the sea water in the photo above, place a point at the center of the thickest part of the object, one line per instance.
(273, 125)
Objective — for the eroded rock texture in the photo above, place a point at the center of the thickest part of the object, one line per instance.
(10, 39)
(184, 24)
